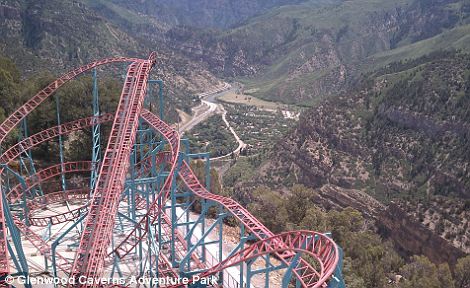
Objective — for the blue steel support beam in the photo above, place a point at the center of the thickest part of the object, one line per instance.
(199, 221)
(248, 272)
(96, 131)
(16, 238)
(208, 172)
(241, 246)
(288, 275)
(56, 242)
(200, 241)
(160, 96)
(203, 201)
(187, 218)
(61, 146)
(23, 186)
(337, 281)
(222, 215)
(174, 217)
(185, 144)
(266, 276)
(132, 185)
(153, 150)
(12, 254)
(32, 168)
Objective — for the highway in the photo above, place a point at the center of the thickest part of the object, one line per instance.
(208, 107)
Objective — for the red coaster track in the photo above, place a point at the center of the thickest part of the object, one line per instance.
(102, 208)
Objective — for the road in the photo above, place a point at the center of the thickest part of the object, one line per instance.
(208, 107)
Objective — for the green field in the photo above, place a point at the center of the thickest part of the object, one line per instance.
(212, 136)
(235, 98)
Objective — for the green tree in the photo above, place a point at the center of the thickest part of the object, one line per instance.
(8, 65)
(367, 253)
(315, 219)
(372, 260)
(75, 102)
(351, 278)
(298, 202)
(445, 276)
(420, 273)
(392, 262)
(462, 273)
(9, 91)
(343, 222)
(269, 208)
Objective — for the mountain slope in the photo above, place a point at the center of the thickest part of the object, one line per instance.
(399, 112)
(41, 33)
(202, 13)
(298, 53)
(57, 35)
(457, 38)
(402, 135)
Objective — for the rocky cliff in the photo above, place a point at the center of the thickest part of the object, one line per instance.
(412, 238)
(300, 52)
(203, 13)
(403, 134)
(52, 35)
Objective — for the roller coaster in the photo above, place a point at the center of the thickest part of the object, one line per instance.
(136, 212)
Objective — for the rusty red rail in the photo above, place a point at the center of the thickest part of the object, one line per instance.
(304, 271)
(41, 202)
(34, 180)
(48, 134)
(14, 119)
(95, 239)
(61, 262)
(140, 230)
(314, 244)
(97, 232)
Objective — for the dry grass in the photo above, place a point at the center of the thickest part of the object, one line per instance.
(235, 98)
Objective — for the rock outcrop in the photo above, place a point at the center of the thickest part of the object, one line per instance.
(401, 135)
(412, 238)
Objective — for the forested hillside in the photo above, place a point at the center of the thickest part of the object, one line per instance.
(407, 126)
(202, 14)
(54, 36)
(380, 156)
(396, 145)
(300, 53)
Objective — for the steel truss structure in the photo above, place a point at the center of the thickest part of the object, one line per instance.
(137, 211)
